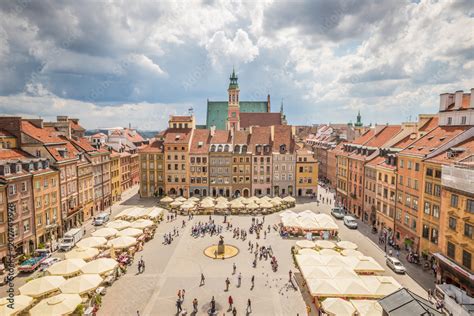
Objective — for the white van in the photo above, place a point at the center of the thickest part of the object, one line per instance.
(101, 219)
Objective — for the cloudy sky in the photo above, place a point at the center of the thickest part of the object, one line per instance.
(112, 63)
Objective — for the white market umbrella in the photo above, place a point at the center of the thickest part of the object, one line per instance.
(121, 214)
(266, 204)
(323, 287)
(236, 204)
(105, 232)
(275, 202)
(308, 251)
(66, 267)
(118, 224)
(221, 206)
(351, 253)
(187, 206)
(368, 265)
(92, 242)
(42, 286)
(99, 266)
(338, 307)
(288, 213)
(82, 253)
(141, 224)
(325, 244)
(132, 232)
(305, 244)
(289, 199)
(193, 199)
(328, 252)
(166, 200)
(61, 304)
(252, 206)
(122, 242)
(155, 213)
(21, 302)
(367, 307)
(221, 199)
(81, 284)
(176, 203)
(180, 199)
(207, 204)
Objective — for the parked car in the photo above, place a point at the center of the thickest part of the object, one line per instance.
(101, 219)
(48, 263)
(350, 222)
(395, 264)
(338, 213)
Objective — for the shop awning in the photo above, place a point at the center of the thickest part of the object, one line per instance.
(454, 266)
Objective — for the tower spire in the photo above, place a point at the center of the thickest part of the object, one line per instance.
(281, 106)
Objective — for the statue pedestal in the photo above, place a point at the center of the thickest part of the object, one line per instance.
(220, 249)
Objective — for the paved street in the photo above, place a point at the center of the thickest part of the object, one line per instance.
(179, 265)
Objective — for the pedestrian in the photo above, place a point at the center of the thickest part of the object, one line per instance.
(239, 280)
(182, 294)
(195, 305)
(179, 295)
(202, 280)
(213, 306)
(234, 312)
(429, 295)
(290, 274)
(249, 306)
(138, 313)
(227, 282)
(178, 306)
(398, 254)
(253, 281)
(234, 268)
(231, 302)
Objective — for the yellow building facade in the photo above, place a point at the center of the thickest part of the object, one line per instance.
(86, 188)
(306, 173)
(115, 178)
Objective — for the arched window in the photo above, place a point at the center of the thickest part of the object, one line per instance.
(213, 148)
(219, 148)
(226, 148)
(244, 148)
(236, 148)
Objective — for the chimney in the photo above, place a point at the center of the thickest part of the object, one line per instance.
(12, 124)
(61, 118)
(272, 133)
(268, 104)
(471, 105)
(458, 99)
(213, 130)
(36, 122)
(250, 129)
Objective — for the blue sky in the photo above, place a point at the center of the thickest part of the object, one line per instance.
(115, 63)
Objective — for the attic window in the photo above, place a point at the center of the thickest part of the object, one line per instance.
(430, 137)
(432, 149)
(411, 147)
(442, 138)
(177, 137)
(200, 144)
(420, 148)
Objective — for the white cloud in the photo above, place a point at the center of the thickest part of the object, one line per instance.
(239, 49)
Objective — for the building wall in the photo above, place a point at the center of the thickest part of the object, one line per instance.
(46, 206)
(283, 174)
(177, 172)
(332, 168)
(71, 210)
(199, 174)
(86, 189)
(115, 184)
(241, 174)
(134, 169)
(261, 174)
(8, 142)
(431, 207)
(126, 181)
(306, 175)
(220, 173)
(342, 173)
(3, 222)
(152, 181)
(407, 214)
(386, 187)
(370, 196)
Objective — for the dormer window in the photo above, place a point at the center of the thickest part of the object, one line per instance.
(219, 148)
(258, 149)
(17, 168)
(213, 148)
(31, 166)
(226, 148)
(6, 170)
(200, 144)
(267, 148)
(244, 148)
(236, 149)
(282, 149)
(45, 164)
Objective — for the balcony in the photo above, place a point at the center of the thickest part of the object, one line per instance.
(459, 177)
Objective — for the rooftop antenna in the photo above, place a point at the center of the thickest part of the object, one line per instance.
(191, 111)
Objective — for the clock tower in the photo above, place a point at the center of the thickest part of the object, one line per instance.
(233, 115)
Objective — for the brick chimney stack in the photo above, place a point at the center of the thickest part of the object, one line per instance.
(268, 104)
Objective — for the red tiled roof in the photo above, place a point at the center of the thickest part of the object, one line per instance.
(5, 133)
(434, 139)
(376, 161)
(98, 135)
(259, 119)
(137, 138)
(54, 150)
(387, 133)
(84, 144)
(7, 154)
(364, 137)
(75, 126)
(200, 137)
(181, 118)
(467, 146)
(260, 136)
(177, 135)
(154, 147)
(221, 137)
(241, 137)
(46, 135)
(282, 136)
(431, 124)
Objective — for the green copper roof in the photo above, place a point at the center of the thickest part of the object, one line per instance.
(217, 111)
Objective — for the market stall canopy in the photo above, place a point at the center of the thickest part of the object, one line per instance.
(41, 286)
(252, 206)
(122, 214)
(21, 302)
(118, 224)
(193, 199)
(122, 242)
(92, 242)
(290, 222)
(180, 199)
(288, 213)
(155, 213)
(328, 252)
(266, 204)
(338, 307)
(141, 223)
(347, 245)
(351, 253)
(82, 253)
(61, 304)
(305, 244)
(307, 251)
(105, 232)
(132, 232)
(367, 307)
(325, 244)
(380, 286)
(367, 265)
(66, 267)
(289, 199)
(221, 199)
(99, 266)
(166, 200)
(323, 288)
(81, 284)
(309, 260)
(207, 204)
(236, 204)
(187, 206)
(176, 203)
(221, 206)
(142, 212)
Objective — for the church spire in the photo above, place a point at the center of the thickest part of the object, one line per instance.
(233, 80)
(359, 120)
(281, 106)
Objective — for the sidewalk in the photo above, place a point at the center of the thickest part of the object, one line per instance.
(424, 277)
